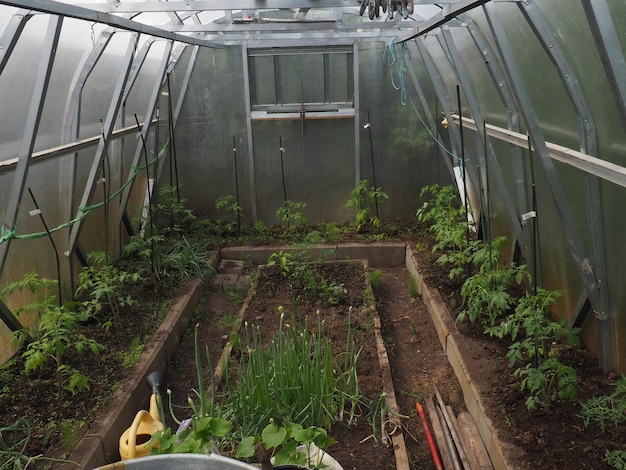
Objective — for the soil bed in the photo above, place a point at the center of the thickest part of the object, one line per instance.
(357, 448)
(543, 439)
(417, 360)
(553, 438)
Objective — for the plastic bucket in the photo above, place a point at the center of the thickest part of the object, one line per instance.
(180, 462)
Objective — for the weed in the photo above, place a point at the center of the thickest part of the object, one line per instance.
(375, 277)
(71, 432)
(606, 409)
(227, 321)
(130, 358)
(616, 459)
(414, 288)
(283, 259)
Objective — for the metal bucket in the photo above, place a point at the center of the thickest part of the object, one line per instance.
(180, 462)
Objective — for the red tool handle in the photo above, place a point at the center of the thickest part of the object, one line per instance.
(429, 437)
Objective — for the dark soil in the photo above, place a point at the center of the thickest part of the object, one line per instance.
(544, 439)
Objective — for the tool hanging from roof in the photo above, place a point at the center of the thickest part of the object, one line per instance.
(404, 7)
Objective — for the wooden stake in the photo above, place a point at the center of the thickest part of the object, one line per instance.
(453, 431)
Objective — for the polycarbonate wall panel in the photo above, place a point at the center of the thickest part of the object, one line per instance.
(404, 156)
(213, 112)
(98, 90)
(137, 100)
(302, 78)
(317, 164)
(435, 140)
(67, 59)
(264, 86)
(36, 253)
(17, 82)
(338, 71)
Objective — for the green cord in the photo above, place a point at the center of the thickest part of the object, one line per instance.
(6, 235)
(391, 59)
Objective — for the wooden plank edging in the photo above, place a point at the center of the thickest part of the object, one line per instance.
(100, 443)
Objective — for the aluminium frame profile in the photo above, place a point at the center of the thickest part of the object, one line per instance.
(524, 105)
(492, 163)
(492, 62)
(609, 49)
(602, 169)
(54, 7)
(108, 125)
(588, 146)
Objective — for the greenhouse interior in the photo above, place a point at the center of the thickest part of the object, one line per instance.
(487, 128)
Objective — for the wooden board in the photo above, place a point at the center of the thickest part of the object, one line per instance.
(473, 444)
(444, 451)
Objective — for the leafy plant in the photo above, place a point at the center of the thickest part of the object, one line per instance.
(550, 381)
(283, 259)
(484, 256)
(282, 442)
(364, 199)
(146, 245)
(296, 378)
(56, 333)
(487, 295)
(533, 334)
(290, 214)
(197, 433)
(172, 207)
(104, 284)
(229, 203)
(446, 217)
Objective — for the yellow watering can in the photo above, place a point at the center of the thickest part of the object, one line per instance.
(135, 442)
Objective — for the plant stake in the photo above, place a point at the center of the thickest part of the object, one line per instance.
(282, 171)
(38, 212)
(368, 126)
(145, 154)
(237, 187)
(465, 195)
